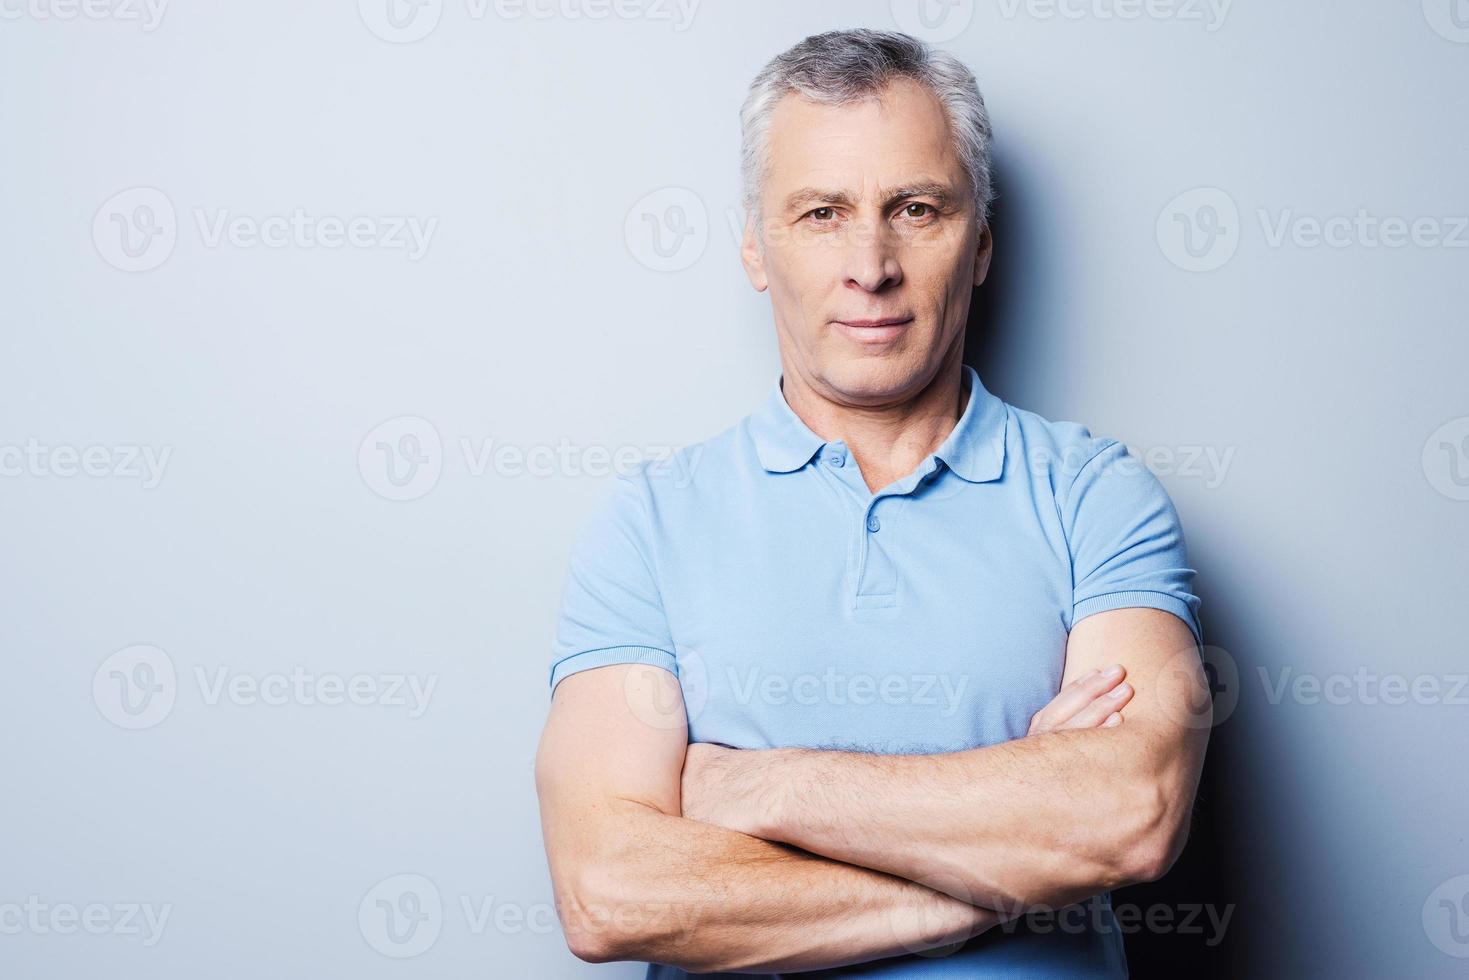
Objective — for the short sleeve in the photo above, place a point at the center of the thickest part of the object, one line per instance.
(1127, 547)
(611, 611)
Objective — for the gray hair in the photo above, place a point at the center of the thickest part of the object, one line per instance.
(842, 67)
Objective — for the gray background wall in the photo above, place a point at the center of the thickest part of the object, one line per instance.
(331, 489)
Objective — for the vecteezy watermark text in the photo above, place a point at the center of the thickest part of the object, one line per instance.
(1364, 686)
(404, 457)
(1210, 13)
(1207, 463)
(1159, 918)
(133, 462)
(41, 918)
(404, 915)
(148, 14)
(833, 687)
(1201, 229)
(138, 686)
(407, 21)
(137, 229)
(308, 689)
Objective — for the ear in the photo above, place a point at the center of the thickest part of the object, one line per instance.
(982, 255)
(751, 258)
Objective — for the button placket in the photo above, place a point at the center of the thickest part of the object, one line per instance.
(877, 575)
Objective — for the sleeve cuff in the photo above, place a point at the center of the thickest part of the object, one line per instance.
(607, 656)
(1139, 599)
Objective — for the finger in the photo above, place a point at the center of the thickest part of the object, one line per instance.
(1100, 710)
(1075, 696)
(1062, 705)
(1078, 694)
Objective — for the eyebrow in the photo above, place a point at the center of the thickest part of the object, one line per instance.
(818, 196)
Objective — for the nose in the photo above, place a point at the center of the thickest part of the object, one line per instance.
(870, 260)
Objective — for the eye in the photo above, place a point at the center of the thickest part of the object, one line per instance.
(918, 210)
(822, 214)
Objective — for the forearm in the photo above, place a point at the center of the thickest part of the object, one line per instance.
(636, 883)
(1085, 803)
(1045, 820)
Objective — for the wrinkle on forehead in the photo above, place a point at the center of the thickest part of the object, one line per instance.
(864, 149)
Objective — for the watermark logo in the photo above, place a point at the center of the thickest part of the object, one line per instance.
(1446, 917)
(667, 230)
(1446, 459)
(136, 687)
(402, 458)
(934, 931)
(135, 230)
(1199, 230)
(405, 915)
(1197, 708)
(664, 703)
(934, 21)
(401, 21)
(1448, 18)
(401, 916)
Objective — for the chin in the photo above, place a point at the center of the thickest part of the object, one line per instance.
(875, 378)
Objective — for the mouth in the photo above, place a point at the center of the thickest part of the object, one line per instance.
(883, 330)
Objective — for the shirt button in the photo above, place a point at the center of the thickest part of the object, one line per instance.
(873, 523)
(836, 460)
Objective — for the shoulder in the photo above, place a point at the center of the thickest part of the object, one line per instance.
(697, 468)
(1058, 452)
(665, 486)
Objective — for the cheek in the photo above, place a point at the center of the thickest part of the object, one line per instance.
(941, 257)
(801, 280)
(813, 262)
(939, 272)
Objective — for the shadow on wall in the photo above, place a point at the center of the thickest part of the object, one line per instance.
(1188, 905)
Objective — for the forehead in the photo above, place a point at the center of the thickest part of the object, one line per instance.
(900, 135)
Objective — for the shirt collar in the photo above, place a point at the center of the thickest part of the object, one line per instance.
(975, 449)
(782, 441)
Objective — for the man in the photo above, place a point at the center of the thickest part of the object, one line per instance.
(901, 666)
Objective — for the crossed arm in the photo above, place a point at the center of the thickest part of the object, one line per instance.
(634, 879)
(1034, 822)
(688, 855)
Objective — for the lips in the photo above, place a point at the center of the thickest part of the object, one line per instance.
(890, 321)
(880, 330)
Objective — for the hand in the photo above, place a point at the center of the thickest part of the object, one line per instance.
(722, 786)
(1093, 700)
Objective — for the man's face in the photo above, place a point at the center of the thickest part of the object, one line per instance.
(871, 244)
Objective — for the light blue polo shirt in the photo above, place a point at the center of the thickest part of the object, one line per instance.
(798, 608)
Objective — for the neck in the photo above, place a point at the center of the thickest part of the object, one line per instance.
(887, 441)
